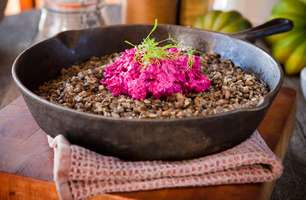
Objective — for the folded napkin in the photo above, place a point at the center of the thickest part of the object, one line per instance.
(80, 173)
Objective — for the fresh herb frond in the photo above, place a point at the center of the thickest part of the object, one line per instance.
(173, 40)
(169, 46)
(151, 50)
(129, 43)
(190, 53)
(153, 29)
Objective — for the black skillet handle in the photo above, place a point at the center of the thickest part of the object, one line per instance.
(274, 26)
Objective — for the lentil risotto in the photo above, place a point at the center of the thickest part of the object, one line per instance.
(155, 79)
(79, 87)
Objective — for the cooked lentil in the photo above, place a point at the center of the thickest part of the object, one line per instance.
(78, 87)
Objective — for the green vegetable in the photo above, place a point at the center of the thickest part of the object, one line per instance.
(224, 18)
(289, 48)
(226, 22)
(150, 49)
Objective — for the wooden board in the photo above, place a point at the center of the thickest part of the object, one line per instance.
(26, 160)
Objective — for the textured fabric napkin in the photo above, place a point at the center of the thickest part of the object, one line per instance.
(80, 173)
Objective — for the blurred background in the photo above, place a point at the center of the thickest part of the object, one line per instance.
(227, 16)
(16, 6)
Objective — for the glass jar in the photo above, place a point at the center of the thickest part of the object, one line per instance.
(62, 15)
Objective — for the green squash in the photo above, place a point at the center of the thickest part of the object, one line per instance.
(220, 21)
(290, 48)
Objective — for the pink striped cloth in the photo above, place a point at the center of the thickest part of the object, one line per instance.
(80, 173)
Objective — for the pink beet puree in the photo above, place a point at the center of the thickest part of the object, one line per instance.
(161, 77)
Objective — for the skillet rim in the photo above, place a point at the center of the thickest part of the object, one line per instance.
(267, 100)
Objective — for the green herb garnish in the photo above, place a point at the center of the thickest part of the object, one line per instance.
(190, 53)
(150, 49)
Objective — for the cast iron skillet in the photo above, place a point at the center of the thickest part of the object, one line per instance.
(171, 139)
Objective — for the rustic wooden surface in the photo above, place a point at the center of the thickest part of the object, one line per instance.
(24, 151)
(25, 188)
(17, 33)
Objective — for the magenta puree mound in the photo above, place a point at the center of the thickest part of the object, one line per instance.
(162, 77)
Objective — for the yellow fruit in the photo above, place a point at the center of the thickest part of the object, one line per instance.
(275, 38)
(199, 22)
(236, 26)
(289, 48)
(290, 6)
(297, 60)
(224, 18)
(210, 18)
(226, 22)
(283, 48)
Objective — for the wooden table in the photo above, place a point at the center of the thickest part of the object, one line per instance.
(17, 33)
(26, 160)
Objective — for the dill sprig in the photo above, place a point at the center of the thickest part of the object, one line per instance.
(150, 49)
